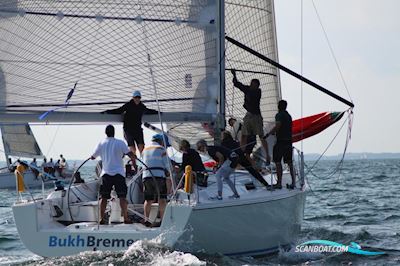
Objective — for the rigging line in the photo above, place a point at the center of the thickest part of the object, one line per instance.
(302, 72)
(329, 145)
(340, 164)
(233, 92)
(331, 50)
(338, 168)
(150, 66)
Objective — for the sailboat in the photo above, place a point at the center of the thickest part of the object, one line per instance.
(66, 61)
(19, 142)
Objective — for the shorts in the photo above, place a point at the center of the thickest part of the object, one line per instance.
(250, 144)
(150, 188)
(283, 150)
(134, 137)
(252, 125)
(108, 181)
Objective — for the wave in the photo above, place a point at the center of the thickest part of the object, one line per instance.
(392, 217)
(141, 252)
(326, 217)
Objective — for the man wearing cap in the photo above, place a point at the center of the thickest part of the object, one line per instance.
(133, 112)
(155, 176)
(111, 151)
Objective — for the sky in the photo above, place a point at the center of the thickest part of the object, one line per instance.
(364, 36)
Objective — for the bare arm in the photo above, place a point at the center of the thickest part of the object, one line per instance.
(220, 158)
(275, 129)
(236, 83)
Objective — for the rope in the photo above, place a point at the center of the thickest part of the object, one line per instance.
(331, 50)
(150, 66)
(338, 168)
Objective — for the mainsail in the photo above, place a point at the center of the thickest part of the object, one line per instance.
(19, 141)
(48, 46)
(173, 51)
(253, 23)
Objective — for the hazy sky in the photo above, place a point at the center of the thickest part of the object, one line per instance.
(365, 40)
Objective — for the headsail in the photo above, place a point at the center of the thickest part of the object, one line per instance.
(19, 141)
(312, 125)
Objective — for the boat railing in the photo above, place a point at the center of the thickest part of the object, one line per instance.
(299, 167)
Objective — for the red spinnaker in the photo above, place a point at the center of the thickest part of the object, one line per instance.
(312, 125)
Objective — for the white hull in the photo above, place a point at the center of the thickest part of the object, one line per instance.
(251, 228)
(7, 179)
(258, 223)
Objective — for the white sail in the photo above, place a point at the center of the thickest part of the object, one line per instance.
(19, 141)
(173, 51)
(104, 46)
(252, 23)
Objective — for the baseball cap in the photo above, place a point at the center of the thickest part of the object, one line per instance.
(136, 94)
(160, 137)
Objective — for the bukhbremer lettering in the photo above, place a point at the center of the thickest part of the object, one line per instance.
(89, 241)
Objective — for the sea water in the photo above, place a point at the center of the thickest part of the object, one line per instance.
(360, 203)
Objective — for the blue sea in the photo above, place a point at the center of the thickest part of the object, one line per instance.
(360, 203)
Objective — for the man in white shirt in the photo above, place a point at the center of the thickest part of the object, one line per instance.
(111, 151)
(236, 128)
(155, 176)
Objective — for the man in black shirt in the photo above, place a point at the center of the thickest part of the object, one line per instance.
(233, 147)
(226, 166)
(236, 132)
(253, 120)
(192, 158)
(283, 147)
(133, 112)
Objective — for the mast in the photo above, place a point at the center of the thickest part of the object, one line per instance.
(220, 123)
(278, 77)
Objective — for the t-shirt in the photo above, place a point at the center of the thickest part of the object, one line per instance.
(233, 150)
(111, 151)
(192, 158)
(132, 115)
(156, 161)
(252, 98)
(212, 151)
(236, 130)
(284, 134)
